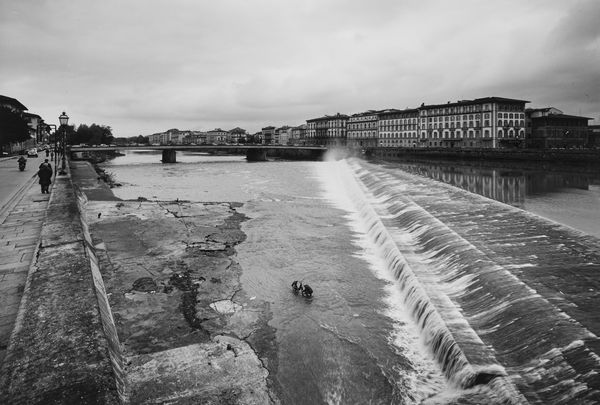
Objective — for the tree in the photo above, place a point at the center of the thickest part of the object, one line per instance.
(94, 135)
(13, 127)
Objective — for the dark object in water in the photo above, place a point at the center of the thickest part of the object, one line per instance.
(307, 291)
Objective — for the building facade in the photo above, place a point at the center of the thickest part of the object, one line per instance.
(268, 135)
(490, 122)
(362, 129)
(217, 136)
(195, 138)
(329, 130)
(283, 135)
(399, 128)
(550, 128)
(171, 137)
(299, 135)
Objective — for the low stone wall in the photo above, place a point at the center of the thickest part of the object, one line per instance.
(58, 352)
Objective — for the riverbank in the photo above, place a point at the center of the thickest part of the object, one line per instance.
(135, 302)
(184, 324)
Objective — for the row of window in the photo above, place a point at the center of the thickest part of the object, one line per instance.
(470, 109)
(384, 134)
(362, 126)
(362, 134)
(518, 117)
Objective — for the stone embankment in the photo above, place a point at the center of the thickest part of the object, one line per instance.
(135, 302)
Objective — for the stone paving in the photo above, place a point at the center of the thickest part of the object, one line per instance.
(20, 229)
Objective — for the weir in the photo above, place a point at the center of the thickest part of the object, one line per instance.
(483, 321)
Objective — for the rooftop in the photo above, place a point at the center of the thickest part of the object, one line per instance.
(13, 102)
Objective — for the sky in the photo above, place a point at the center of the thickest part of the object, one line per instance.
(145, 66)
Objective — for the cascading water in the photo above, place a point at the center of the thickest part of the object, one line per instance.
(445, 330)
(471, 310)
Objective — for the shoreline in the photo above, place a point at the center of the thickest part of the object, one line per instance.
(174, 289)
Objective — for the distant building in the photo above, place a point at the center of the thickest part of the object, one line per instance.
(330, 130)
(268, 135)
(171, 137)
(550, 128)
(362, 130)
(399, 128)
(195, 138)
(299, 135)
(37, 128)
(217, 136)
(490, 122)
(282, 135)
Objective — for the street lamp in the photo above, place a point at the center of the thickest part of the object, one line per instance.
(64, 119)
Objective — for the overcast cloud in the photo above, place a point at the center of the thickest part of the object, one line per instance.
(147, 66)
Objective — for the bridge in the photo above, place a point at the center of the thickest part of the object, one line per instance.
(253, 152)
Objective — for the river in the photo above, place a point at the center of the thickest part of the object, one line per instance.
(373, 332)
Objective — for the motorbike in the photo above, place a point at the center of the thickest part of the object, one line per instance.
(22, 164)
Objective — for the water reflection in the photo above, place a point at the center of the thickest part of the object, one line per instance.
(512, 186)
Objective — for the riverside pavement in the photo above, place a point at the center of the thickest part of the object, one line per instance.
(57, 352)
(22, 210)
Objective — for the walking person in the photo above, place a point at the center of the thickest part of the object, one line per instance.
(45, 175)
(46, 164)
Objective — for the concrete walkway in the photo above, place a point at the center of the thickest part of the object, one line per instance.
(54, 347)
(20, 227)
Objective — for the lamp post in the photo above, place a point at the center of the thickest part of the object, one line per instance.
(64, 119)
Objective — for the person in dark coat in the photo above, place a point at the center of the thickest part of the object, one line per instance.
(45, 175)
(47, 164)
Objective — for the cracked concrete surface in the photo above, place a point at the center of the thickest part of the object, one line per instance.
(173, 284)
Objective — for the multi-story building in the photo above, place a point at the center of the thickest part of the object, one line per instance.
(311, 131)
(268, 135)
(490, 122)
(282, 135)
(217, 136)
(36, 126)
(34, 122)
(362, 129)
(399, 128)
(550, 128)
(195, 138)
(299, 135)
(171, 137)
(329, 130)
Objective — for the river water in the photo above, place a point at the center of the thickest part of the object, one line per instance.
(369, 335)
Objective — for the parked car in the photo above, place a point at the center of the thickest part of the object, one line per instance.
(32, 153)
